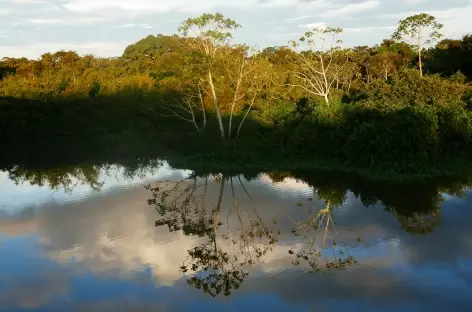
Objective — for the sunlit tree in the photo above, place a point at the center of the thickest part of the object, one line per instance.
(420, 31)
(318, 67)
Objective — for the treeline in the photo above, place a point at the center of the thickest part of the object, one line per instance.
(403, 102)
(75, 164)
(67, 75)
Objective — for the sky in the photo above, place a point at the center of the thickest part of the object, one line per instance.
(105, 27)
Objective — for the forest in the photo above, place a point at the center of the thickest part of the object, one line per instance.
(403, 105)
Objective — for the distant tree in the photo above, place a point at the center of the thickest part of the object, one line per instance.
(403, 50)
(419, 30)
(361, 56)
(450, 56)
(146, 54)
(383, 64)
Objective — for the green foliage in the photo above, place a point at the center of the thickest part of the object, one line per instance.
(449, 57)
(95, 89)
(381, 111)
(456, 129)
(420, 29)
(275, 112)
(150, 53)
(409, 89)
(408, 134)
(213, 27)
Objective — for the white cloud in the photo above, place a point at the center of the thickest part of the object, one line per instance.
(366, 29)
(349, 9)
(45, 21)
(104, 242)
(130, 6)
(27, 1)
(297, 18)
(280, 3)
(414, 2)
(314, 25)
(147, 26)
(456, 21)
(355, 29)
(53, 24)
(4, 33)
(285, 36)
(159, 6)
(68, 20)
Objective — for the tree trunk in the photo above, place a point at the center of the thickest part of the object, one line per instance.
(215, 101)
(421, 63)
(245, 116)
(230, 126)
(203, 108)
(326, 99)
(194, 121)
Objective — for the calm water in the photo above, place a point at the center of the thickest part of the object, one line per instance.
(107, 239)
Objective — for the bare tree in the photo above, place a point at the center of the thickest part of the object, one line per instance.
(320, 223)
(189, 107)
(222, 257)
(227, 73)
(212, 34)
(318, 67)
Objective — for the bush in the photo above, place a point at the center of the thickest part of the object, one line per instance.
(408, 134)
(276, 112)
(409, 89)
(455, 129)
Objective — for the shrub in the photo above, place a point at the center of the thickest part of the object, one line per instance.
(409, 134)
(409, 89)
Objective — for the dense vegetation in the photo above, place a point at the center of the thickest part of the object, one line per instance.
(404, 105)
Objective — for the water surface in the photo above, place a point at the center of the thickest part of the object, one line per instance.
(159, 239)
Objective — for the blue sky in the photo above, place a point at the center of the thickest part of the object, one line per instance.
(105, 27)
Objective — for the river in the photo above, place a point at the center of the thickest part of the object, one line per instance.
(162, 239)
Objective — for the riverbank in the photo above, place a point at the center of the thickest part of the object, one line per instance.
(138, 149)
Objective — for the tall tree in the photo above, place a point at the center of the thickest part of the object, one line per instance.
(318, 68)
(418, 30)
(230, 75)
(211, 34)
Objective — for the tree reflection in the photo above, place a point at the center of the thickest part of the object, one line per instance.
(68, 177)
(220, 263)
(416, 204)
(420, 223)
(324, 249)
(60, 177)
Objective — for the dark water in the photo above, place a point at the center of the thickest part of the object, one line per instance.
(167, 240)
